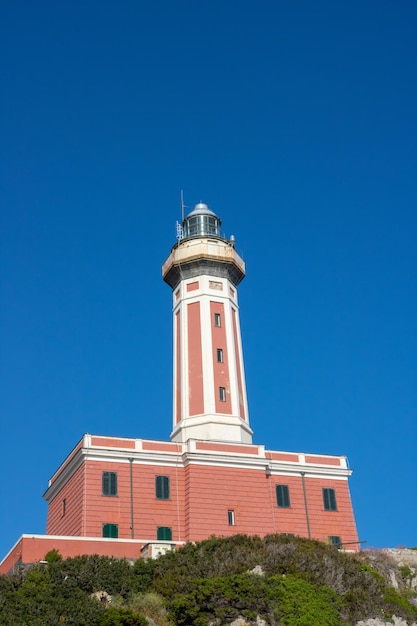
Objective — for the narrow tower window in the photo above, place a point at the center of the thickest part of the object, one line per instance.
(219, 355)
(329, 500)
(222, 394)
(217, 320)
(231, 517)
(64, 506)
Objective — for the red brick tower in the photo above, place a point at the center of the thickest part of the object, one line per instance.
(204, 271)
(127, 497)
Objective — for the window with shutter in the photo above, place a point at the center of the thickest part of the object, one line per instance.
(164, 533)
(335, 541)
(162, 487)
(109, 484)
(329, 500)
(111, 531)
(283, 496)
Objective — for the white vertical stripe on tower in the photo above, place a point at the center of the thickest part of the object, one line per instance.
(185, 400)
(239, 355)
(174, 364)
(231, 352)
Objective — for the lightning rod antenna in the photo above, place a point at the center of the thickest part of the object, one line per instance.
(182, 206)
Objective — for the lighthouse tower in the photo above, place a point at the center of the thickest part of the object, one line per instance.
(204, 271)
(210, 479)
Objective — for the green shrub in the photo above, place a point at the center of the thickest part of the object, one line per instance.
(143, 574)
(304, 583)
(151, 605)
(289, 600)
(296, 602)
(222, 599)
(52, 556)
(94, 573)
(121, 617)
(396, 604)
(406, 572)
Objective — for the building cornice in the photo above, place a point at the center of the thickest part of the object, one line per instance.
(187, 454)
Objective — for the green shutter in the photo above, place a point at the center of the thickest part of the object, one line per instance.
(109, 484)
(162, 487)
(111, 531)
(329, 500)
(164, 533)
(283, 496)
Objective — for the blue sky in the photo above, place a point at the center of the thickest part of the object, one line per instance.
(296, 123)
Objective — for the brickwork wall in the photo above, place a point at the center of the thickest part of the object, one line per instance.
(32, 549)
(212, 491)
(324, 523)
(149, 512)
(293, 519)
(200, 498)
(100, 509)
(69, 522)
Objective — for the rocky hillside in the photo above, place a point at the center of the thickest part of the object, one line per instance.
(275, 581)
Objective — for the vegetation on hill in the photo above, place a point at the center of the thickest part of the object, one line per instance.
(286, 581)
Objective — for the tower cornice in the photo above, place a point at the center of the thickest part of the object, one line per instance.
(196, 256)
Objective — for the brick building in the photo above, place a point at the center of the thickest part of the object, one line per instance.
(129, 497)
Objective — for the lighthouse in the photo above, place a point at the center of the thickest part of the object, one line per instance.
(126, 497)
(204, 271)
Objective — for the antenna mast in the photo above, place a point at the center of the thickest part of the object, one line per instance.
(182, 206)
(178, 226)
